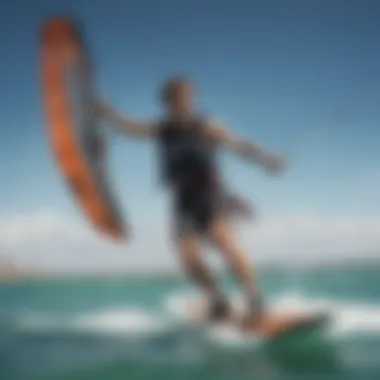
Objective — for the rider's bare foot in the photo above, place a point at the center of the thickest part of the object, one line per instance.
(220, 310)
(255, 313)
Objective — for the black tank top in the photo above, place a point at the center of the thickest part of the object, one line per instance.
(187, 156)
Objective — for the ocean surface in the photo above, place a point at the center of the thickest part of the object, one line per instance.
(121, 328)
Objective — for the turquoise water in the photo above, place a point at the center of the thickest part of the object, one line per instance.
(119, 328)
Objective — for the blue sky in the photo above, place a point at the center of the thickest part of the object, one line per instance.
(301, 77)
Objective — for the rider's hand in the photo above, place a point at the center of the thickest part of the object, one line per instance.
(273, 164)
(101, 108)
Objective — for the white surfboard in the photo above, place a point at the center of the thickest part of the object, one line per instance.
(275, 324)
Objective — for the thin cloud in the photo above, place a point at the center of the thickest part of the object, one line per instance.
(50, 242)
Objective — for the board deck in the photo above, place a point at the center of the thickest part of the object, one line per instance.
(274, 324)
(72, 125)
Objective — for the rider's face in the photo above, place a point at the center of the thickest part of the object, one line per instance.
(182, 99)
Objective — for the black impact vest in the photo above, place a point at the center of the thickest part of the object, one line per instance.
(187, 155)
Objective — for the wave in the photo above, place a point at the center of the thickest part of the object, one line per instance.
(347, 318)
(118, 322)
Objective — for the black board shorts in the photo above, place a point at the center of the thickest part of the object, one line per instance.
(194, 212)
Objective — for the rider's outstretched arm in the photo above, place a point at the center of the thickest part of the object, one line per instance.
(135, 128)
(244, 148)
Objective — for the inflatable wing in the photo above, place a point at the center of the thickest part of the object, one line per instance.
(72, 124)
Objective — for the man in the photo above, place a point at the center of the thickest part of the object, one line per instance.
(188, 143)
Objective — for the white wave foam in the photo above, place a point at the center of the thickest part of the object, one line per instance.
(127, 321)
(120, 322)
(233, 338)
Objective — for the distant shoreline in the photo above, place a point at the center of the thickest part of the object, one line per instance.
(17, 276)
